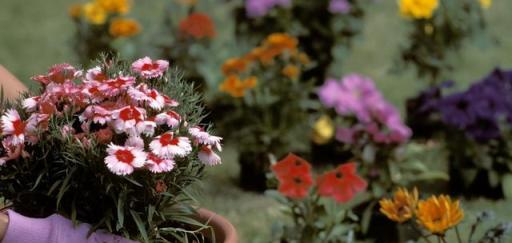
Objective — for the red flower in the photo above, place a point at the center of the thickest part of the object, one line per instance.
(198, 25)
(294, 175)
(342, 184)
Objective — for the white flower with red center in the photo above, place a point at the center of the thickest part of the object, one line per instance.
(156, 164)
(113, 87)
(147, 127)
(92, 91)
(14, 126)
(122, 160)
(143, 94)
(96, 114)
(202, 137)
(95, 74)
(12, 151)
(30, 104)
(207, 156)
(59, 73)
(170, 102)
(148, 68)
(169, 146)
(170, 118)
(134, 141)
(126, 119)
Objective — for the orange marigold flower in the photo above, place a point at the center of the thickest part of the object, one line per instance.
(234, 66)
(280, 42)
(94, 13)
(250, 82)
(75, 11)
(233, 86)
(303, 58)
(294, 175)
(402, 207)
(291, 71)
(439, 213)
(116, 6)
(198, 25)
(121, 27)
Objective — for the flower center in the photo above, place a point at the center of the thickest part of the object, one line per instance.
(297, 180)
(153, 94)
(19, 127)
(125, 156)
(339, 175)
(129, 114)
(155, 159)
(149, 66)
(168, 139)
(118, 83)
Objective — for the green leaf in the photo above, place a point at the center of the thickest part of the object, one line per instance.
(132, 181)
(507, 185)
(140, 226)
(367, 216)
(494, 178)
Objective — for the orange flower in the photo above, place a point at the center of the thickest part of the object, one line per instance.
(198, 25)
(250, 82)
(234, 66)
(281, 41)
(115, 6)
(124, 27)
(291, 71)
(303, 58)
(439, 213)
(402, 207)
(233, 86)
(75, 11)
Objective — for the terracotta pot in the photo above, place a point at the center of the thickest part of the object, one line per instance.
(225, 232)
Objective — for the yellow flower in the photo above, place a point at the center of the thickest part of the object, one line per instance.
(115, 6)
(323, 130)
(439, 213)
(485, 3)
(418, 9)
(94, 13)
(234, 66)
(402, 207)
(236, 87)
(303, 58)
(281, 41)
(291, 71)
(124, 27)
(75, 11)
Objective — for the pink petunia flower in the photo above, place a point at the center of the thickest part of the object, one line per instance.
(156, 164)
(113, 87)
(147, 68)
(126, 119)
(170, 118)
(122, 160)
(207, 156)
(169, 146)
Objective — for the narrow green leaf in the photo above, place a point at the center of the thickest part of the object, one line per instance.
(140, 225)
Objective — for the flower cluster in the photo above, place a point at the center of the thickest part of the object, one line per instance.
(481, 109)
(259, 8)
(339, 6)
(277, 48)
(295, 180)
(136, 123)
(100, 12)
(436, 214)
(197, 25)
(356, 100)
(418, 9)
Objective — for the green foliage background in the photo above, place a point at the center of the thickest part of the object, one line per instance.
(36, 34)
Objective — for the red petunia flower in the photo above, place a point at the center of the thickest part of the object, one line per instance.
(294, 175)
(198, 25)
(342, 184)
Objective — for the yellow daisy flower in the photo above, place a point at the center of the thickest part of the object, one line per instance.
(94, 13)
(439, 213)
(418, 9)
(402, 207)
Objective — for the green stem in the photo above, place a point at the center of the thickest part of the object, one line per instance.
(421, 234)
(458, 234)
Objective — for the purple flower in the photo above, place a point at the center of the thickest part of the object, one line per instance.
(356, 93)
(259, 8)
(456, 110)
(345, 135)
(330, 92)
(339, 6)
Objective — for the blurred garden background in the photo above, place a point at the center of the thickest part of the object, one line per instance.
(37, 34)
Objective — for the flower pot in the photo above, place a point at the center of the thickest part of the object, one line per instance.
(253, 169)
(224, 231)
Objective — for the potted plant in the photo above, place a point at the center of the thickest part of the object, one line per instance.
(269, 103)
(116, 146)
(101, 27)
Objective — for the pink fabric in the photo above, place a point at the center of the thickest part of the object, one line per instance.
(54, 229)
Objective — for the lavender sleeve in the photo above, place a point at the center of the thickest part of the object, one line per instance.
(54, 229)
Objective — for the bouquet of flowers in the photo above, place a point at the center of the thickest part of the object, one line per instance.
(326, 28)
(117, 149)
(477, 124)
(439, 28)
(267, 97)
(100, 23)
(321, 211)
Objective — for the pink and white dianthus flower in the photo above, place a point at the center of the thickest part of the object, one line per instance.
(13, 125)
(95, 74)
(113, 87)
(146, 127)
(59, 73)
(150, 96)
(134, 141)
(148, 68)
(170, 118)
(169, 146)
(30, 103)
(200, 136)
(92, 91)
(207, 156)
(122, 160)
(125, 119)
(156, 164)
(96, 114)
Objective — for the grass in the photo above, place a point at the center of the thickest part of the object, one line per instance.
(36, 34)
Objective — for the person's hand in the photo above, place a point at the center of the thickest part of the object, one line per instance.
(11, 85)
(16, 228)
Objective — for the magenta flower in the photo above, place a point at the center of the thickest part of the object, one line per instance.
(339, 6)
(259, 8)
